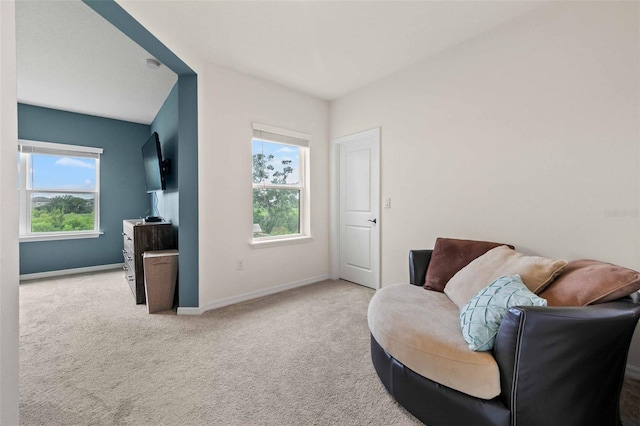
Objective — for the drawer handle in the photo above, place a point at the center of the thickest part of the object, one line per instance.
(124, 252)
(129, 257)
(130, 278)
(125, 268)
(125, 235)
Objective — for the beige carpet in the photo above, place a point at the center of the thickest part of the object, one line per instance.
(89, 355)
(630, 402)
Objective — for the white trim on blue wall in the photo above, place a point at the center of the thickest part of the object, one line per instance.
(62, 272)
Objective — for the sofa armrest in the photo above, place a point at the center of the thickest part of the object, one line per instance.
(418, 264)
(565, 366)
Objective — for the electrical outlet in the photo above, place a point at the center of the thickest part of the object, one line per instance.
(387, 203)
(239, 265)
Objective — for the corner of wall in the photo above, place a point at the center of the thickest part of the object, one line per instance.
(9, 378)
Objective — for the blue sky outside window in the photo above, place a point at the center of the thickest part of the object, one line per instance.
(280, 152)
(54, 172)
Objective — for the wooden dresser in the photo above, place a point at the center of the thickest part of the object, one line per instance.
(139, 236)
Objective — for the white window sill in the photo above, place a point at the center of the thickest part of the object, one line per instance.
(280, 242)
(53, 236)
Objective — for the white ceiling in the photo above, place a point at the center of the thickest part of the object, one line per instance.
(69, 58)
(72, 59)
(324, 48)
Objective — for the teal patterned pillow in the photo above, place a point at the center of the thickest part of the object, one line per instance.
(480, 318)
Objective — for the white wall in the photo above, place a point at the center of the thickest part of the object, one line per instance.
(228, 102)
(232, 102)
(528, 134)
(9, 388)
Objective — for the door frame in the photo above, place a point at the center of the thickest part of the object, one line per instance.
(334, 237)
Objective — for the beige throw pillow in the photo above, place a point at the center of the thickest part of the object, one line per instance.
(536, 272)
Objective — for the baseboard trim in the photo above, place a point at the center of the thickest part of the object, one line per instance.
(251, 295)
(74, 271)
(189, 311)
(632, 372)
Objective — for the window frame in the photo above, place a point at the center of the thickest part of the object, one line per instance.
(26, 148)
(302, 141)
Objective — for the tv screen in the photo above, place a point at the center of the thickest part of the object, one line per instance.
(153, 165)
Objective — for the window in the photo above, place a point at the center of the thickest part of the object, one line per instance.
(59, 191)
(280, 183)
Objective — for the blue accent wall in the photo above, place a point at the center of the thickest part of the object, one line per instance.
(188, 175)
(122, 188)
(184, 155)
(166, 124)
(176, 124)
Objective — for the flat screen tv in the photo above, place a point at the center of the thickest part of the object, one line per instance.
(155, 168)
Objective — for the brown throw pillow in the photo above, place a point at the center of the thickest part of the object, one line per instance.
(585, 281)
(449, 256)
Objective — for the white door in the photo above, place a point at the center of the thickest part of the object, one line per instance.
(359, 208)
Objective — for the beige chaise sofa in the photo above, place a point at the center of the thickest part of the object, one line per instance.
(549, 365)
